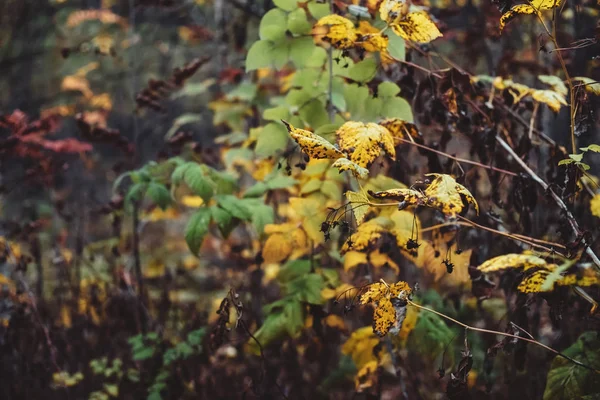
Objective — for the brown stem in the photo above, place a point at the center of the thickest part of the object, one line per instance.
(555, 197)
(469, 327)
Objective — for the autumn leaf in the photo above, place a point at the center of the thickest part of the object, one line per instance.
(404, 195)
(363, 142)
(512, 261)
(390, 305)
(341, 32)
(359, 205)
(284, 241)
(533, 7)
(313, 145)
(590, 85)
(447, 195)
(367, 234)
(415, 26)
(595, 205)
(556, 83)
(544, 280)
(343, 164)
(401, 129)
(551, 98)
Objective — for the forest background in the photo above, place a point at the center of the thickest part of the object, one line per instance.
(284, 199)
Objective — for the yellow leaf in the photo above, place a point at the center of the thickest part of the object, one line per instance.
(517, 90)
(277, 248)
(83, 71)
(360, 346)
(545, 4)
(101, 101)
(370, 38)
(595, 205)
(343, 164)
(365, 378)
(353, 259)
(591, 85)
(556, 83)
(513, 12)
(359, 204)
(507, 261)
(341, 32)
(533, 283)
(393, 11)
(77, 84)
(364, 142)
(366, 235)
(400, 129)
(328, 293)
(404, 195)
(417, 27)
(386, 314)
(447, 195)
(313, 145)
(378, 260)
(312, 212)
(192, 201)
(549, 97)
(410, 321)
(335, 321)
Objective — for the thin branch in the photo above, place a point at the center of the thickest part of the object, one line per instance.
(533, 341)
(555, 197)
(458, 159)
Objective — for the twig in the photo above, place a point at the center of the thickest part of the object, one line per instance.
(555, 197)
(458, 159)
(469, 327)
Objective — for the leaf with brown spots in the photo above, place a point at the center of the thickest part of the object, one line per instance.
(447, 195)
(364, 142)
(313, 145)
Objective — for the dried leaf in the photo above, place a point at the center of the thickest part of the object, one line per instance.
(313, 145)
(404, 195)
(415, 26)
(363, 142)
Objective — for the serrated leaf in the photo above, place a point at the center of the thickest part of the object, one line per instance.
(195, 178)
(359, 204)
(159, 194)
(223, 219)
(197, 228)
(512, 261)
(272, 139)
(390, 305)
(343, 164)
(447, 195)
(235, 206)
(341, 33)
(306, 288)
(364, 142)
(313, 145)
(513, 12)
(551, 98)
(273, 25)
(415, 26)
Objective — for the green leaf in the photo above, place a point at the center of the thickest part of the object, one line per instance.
(245, 92)
(287, 5)
(566, 161)
(111, 389)
(300, 50)
(388, 89)
(396, 47)
(200, 184)
(318, 10)
(256, 190)
(274, 328)
(262, 214)
(396, 107)
(592, 147)
(576, 157)
(281, 182)
(236, 207)
(272, 139)
(317, 58)
(273, 25)
(293, 312)
(314, 113)
(143, 354)
(311, 186)
(159, 194)
(135, 193)
(570, 381)
(197, 228)
(306, 288)
(196, 337)
(293, 269)
(276, 113)
(298, 22)
(224, 220)
(224, 182)
(280, 53)
(430, 336)
(259, 55)
(363, 71)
